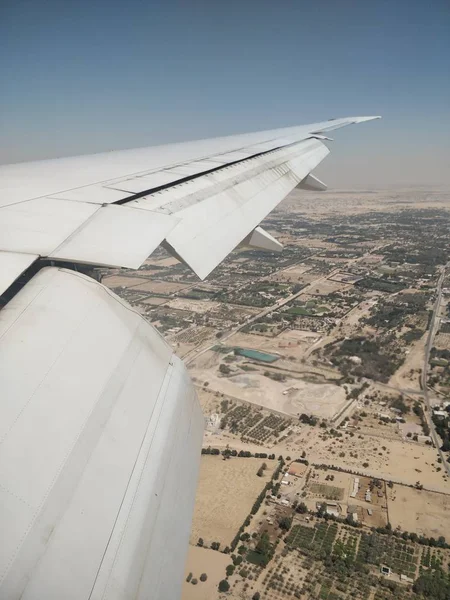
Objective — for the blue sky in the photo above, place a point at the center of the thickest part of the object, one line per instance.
(83, 77)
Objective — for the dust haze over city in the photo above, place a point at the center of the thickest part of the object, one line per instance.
(318, 344)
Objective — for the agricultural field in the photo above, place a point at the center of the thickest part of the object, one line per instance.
(319, 539)
(376, 549)
(252, 424)
(328, 492)
(226, 492)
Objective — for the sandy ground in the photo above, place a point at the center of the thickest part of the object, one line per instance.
(226, 492)
(291, 275)
(195, 306)
(327, 286)
(202, 560)
(414, 360)
(160, 287)
(420, 511)
(324, 400)
(404, 462)
(154, 301)
(115, 281)
(162, 262)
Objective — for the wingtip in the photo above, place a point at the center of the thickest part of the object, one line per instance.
(362, 119)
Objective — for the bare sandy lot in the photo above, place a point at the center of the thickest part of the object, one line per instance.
(115, 281)
(424, 512)
(196, 306)
(414, 360)
(168, 261)
(323, 399)
(404, 462)
(154, 301)
(226, 492)
(290, 275)
(210, 562)
(160, 287)
(327, 286)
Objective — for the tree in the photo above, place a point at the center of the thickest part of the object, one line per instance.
(224, 586)
(433, 584)
(189, 577)
(263, 545)
(203, 577)
(256, 596)
(194, 581)
(302, 508)
(224, 369)
(200, 542)
(285, 523)
(229, 570)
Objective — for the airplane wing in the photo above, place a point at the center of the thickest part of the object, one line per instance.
(100, 427)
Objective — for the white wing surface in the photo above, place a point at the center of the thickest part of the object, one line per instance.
(202, 198)
(100, 427)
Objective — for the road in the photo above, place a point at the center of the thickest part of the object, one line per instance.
(424, 376)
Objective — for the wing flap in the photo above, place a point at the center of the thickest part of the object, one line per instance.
(116, 235)
(216, 219)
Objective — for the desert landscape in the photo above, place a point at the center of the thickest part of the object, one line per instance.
(313, 362)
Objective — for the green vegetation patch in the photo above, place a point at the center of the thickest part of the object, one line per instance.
(329, 492)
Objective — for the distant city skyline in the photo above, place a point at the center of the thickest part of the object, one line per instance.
(85, 77)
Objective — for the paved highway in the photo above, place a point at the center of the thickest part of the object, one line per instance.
(424, 376)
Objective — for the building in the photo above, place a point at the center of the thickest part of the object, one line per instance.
(297, 469)
(332, 508)
(355, 488)
(441, 414)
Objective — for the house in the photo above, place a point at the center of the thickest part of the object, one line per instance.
(332, 508)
